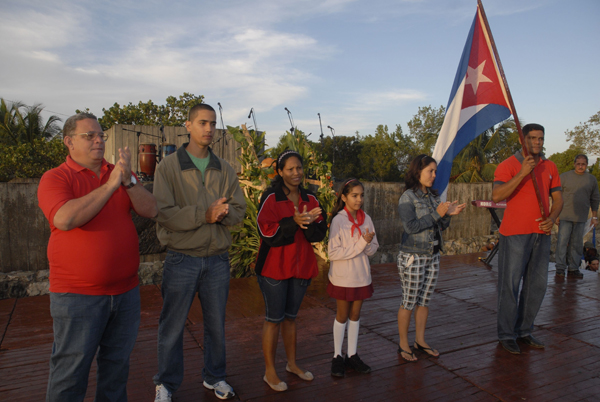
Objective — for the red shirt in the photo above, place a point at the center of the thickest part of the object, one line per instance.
(102, 256)
(522, 208)
(285, 250)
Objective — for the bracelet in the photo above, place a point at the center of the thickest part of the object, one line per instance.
(593, 217)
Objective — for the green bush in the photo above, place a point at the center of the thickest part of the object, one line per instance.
(31, 160)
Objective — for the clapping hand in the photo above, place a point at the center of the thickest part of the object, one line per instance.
(306, 218)
(368, 236)
(124, 163)
(454, 209)
(217, 211)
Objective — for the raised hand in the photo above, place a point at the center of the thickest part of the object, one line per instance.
(116, 178)
(368, 236)
(306, 218)
(527, 166)
(454, 209)
(124, 164)
(443, 208)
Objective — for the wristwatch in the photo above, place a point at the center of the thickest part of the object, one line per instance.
(132, 183)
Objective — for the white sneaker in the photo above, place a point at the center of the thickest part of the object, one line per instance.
(162, 394)
(222, 389)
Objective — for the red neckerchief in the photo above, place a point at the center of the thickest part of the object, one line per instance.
(360, 217)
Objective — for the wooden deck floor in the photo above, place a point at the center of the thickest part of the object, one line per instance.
(462, 325)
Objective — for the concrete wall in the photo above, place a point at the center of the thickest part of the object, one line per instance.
(381, 203)
(24, 231)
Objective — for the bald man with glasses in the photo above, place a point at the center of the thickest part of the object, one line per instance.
(94, 260)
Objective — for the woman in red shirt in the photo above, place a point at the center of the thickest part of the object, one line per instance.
(289, 219)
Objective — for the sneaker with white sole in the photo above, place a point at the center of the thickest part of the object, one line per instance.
(222, 389)
(162, 394)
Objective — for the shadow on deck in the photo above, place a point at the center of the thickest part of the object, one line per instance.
(462, 326)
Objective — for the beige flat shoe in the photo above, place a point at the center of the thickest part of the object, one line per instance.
(282, 386)
(306, 376)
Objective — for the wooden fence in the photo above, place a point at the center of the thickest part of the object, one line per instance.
(122, 135)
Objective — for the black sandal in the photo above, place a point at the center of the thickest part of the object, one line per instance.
(400, 351)
(424, 349)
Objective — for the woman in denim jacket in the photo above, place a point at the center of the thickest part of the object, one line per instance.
(424, 218)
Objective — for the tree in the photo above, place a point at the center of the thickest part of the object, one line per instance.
(586, 136)
(425, 127)
(478, 160)
(28, 146)
(380, 155)
(31, 160)
(173, 113)
(564, 160)
(20, 124)
(504, 142)
(347, 155)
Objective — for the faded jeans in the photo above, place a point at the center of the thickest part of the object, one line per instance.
(569, 246)
(183, 277)
(83, 326)
(526, 258)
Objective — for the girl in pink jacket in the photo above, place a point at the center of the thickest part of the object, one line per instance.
(351, 241)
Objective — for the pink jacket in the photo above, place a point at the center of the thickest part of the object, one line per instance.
(349, 255)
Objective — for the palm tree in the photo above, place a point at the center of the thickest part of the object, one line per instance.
(21, 124)
(478, 160)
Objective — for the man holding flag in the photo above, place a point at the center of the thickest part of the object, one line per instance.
(524, 251)
(480, 98)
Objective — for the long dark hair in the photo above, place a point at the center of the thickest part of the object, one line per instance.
(345, 190)
(411, 179)
(282, 158)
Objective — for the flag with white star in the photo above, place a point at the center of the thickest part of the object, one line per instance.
(477, 102)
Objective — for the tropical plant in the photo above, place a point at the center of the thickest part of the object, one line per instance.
(254, 180)
(477, 162)
(20, 124)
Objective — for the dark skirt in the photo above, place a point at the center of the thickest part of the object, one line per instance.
(349, 294)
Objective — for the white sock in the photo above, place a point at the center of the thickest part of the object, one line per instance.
(353, 327)
(338, 337)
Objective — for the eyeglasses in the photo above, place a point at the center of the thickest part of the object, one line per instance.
(91, 135)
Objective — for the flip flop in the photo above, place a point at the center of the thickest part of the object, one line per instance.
(424, 349)
(400, 351)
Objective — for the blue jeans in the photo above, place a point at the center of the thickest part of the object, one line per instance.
(282, 297)
(523, 257)
(183, 277)
(569, 245)
(84, 324)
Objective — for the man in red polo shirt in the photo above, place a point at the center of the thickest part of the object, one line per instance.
(524, 251)
(94, 259)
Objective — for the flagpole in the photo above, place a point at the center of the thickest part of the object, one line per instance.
(512, 105)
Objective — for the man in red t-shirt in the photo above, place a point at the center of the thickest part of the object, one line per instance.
(94, 259)
(524, 251)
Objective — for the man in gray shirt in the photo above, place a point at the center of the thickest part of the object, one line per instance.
(580, 192)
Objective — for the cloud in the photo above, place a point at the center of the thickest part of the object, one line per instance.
(238, 54)
(390, 98)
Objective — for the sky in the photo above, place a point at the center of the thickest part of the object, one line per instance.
(357, 63)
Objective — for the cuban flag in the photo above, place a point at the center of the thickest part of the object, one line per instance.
(478, 101)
